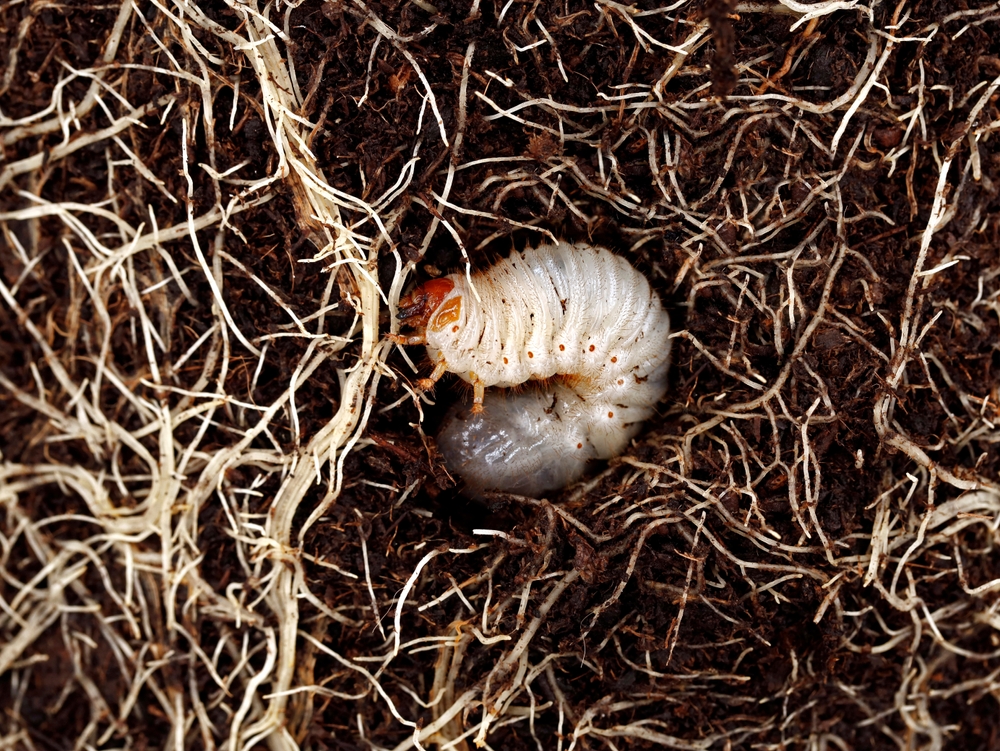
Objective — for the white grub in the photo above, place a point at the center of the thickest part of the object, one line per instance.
(580, 325)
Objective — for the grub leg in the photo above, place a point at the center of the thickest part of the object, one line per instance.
(478, 393)
(404, 339)
(426, 384)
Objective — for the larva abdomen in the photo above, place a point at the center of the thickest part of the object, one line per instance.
(574, 313)
(526, 442)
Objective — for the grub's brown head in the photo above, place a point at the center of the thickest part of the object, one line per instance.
(419, 304)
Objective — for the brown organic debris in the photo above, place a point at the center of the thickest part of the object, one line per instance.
(224, 520)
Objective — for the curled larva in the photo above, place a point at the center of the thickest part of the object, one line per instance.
(579, 319)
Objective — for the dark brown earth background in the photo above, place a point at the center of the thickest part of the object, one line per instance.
(224, 521)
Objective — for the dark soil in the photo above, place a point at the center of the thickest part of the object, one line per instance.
(742, 526)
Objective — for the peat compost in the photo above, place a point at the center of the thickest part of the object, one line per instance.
(224, 520)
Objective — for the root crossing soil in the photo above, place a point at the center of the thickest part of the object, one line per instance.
(224, 520)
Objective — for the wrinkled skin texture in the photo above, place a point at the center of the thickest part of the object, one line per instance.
(579, 326)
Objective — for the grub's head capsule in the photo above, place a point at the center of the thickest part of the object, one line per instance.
(433, 310)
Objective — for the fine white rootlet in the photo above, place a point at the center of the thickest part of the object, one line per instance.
(580, 321)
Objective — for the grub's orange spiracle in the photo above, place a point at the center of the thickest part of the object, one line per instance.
(579, 319)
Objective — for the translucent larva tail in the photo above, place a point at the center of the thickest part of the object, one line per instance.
(526, 443)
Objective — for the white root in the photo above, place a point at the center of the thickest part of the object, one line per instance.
(117, 573)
